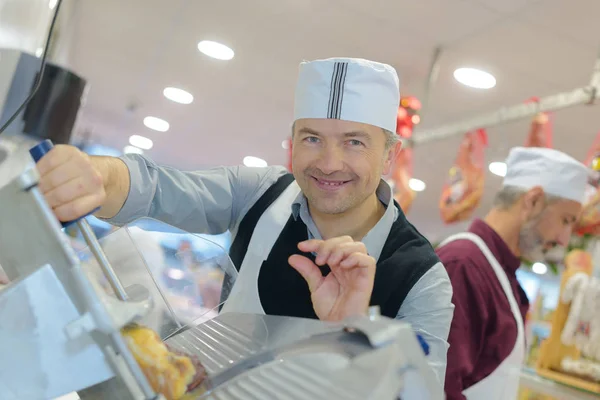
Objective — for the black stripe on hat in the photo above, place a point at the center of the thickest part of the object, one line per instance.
(336, 93)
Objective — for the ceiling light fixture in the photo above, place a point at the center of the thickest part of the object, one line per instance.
(475, 78)
(52, 4)
(140, 141)
(498, 168)
(286, 144)
(132, 150)
(178, 95)
(215, 50)
(39, 51)
(250, 161)
(156, 124)
(416, 184)
(539, 268)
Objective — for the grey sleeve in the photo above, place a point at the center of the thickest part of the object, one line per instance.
(208, 201)
(428, 308)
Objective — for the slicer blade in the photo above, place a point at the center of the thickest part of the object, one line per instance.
(266, 357)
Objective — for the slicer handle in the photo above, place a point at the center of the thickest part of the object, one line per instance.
(40, 150)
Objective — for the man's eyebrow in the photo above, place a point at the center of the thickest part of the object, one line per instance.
(351, 134)
(359, 134)
(309, 131)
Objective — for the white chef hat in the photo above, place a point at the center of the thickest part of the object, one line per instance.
(349, 89)
(556, 172)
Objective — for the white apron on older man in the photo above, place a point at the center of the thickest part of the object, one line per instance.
(503, 382)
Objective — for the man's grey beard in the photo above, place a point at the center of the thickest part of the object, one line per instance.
(532, 244)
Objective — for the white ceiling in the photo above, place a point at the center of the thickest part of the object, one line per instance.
(130, 50)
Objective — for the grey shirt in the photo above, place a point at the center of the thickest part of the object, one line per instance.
(215, 200)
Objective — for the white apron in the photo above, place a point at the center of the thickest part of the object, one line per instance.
(503, 382)
(244, 296)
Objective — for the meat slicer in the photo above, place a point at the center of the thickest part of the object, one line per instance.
(60, 331)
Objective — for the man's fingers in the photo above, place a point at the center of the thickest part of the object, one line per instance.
(344, 250)
(308, 246)
(56, 157)
(309, 271)
(57, 177)
(79, 207)
(360, 260)
(67, 192)
(323, 248)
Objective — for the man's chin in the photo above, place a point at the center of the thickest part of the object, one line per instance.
(555, 255)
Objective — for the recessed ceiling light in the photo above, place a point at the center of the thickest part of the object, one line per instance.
(142, 142)
(178, 95)
(215, 50)
(132, 150)
(52, 4)
(286, 144)
(39, 51)
(475, 78)
(498, 168)
(250, 161)
(539, 268)
(417, 185)
(156, 123)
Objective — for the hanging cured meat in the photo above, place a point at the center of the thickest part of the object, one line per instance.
(464, 186)
(589, 222)
(401, 176)
(402, 169)
(540, 131)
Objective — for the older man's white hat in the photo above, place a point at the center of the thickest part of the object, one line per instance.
(557, 173)
(349, 89)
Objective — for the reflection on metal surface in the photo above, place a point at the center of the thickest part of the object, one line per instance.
(35, 348)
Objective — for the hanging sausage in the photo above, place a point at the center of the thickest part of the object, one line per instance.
(463, 189)
(589, 221)
(540, 131)
(402, 169)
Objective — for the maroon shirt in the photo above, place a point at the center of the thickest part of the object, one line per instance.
(484, 331)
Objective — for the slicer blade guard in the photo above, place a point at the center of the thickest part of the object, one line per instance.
(187, 285)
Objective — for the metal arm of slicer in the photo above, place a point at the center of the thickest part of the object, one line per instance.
(37, 153)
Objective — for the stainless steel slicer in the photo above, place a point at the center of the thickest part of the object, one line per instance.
(60, 331)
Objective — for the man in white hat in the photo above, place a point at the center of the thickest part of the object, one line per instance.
(334, 220)
(533, 214)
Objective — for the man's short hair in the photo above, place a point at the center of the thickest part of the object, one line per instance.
(508, 196)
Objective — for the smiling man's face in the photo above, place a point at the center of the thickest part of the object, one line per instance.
(338, 164)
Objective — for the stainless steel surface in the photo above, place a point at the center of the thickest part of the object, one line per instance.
(39, 361)
(374, 311)
(107, 269)
(31, 239)
(261, 356)
(271, 357)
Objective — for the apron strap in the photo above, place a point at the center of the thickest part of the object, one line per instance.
(237, 251)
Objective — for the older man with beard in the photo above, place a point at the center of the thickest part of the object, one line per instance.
(533, 213)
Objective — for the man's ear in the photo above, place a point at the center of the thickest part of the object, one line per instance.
(533, 202)
(390, 157)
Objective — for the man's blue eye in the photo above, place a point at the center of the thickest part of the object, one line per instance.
(355, 142)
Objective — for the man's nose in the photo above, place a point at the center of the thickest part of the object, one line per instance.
(565, 236)
(331, 159)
